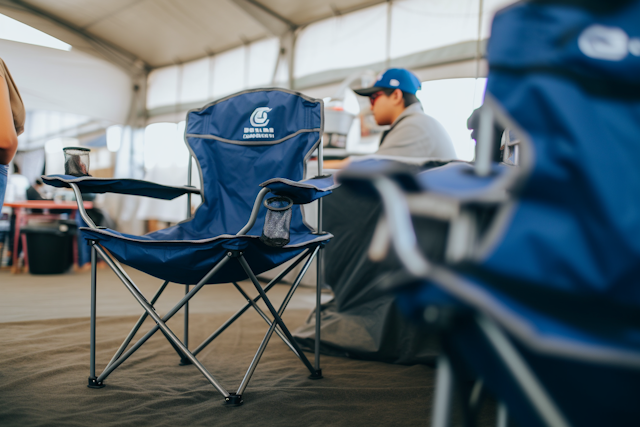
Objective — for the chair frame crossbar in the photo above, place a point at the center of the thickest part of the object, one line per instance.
(275, 322)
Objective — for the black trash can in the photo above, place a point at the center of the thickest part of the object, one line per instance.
(50, 247)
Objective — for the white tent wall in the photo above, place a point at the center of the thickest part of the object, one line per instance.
(437, 39)
(347, 41)
(68, 82)
(178, 88)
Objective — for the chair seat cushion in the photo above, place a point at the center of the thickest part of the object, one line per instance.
(187, 261)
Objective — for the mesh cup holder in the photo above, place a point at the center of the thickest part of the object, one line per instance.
(275, 232)
(76, 161)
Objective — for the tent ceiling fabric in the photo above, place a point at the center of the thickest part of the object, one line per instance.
(164, 32)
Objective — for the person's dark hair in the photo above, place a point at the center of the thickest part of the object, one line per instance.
(409, 98)
(16, 168)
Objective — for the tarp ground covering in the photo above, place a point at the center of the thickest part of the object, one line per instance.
(44, 366)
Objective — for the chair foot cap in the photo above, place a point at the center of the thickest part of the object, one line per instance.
(93, 383)
(317, 375)
(233, 400)
(185, 362)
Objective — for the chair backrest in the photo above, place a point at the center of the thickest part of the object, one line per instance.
(243, 140)
(570, 78)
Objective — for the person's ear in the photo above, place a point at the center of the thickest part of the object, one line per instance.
(397, 97)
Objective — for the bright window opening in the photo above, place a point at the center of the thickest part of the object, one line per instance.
(16, 31)
(451, 102)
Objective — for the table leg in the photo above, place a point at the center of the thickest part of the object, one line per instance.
(18, 212)
(26, 253)
(76, 267)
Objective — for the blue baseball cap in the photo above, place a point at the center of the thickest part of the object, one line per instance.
(393, 78)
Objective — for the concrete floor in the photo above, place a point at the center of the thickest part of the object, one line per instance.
(25, 297)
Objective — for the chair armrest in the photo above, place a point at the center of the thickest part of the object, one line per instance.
(135, 187)
(301, 192)
(360, 175)
(459, 181)
(454, 182)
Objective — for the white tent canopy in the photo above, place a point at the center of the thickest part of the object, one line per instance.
(181, 54)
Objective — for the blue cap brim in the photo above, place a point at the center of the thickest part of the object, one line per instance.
(368, 91)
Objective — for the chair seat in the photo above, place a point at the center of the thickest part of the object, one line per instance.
(171, 254)
(586, 331)
(588, 370)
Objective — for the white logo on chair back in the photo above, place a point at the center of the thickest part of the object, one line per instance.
(608, 43)
(259, 117)
(259, 120)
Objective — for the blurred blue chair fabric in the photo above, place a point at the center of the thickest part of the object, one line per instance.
(248, 146)
(581, 107)
(544, 308)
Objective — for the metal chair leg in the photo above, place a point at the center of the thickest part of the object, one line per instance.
(265, 317)
(272, 328)
(274, 313)
(160, 323)
(530, 385)
(240, 312)
(444, 393)
(137, 326)
(93, 382)
(502, 420)
(319, 284)
(183, 360)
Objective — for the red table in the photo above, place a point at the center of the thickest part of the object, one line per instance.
(22, 218)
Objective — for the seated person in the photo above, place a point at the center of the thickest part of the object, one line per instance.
(34, 191)
(412, 133)
(361, 321)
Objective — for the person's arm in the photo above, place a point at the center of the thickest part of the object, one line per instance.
(8, 136)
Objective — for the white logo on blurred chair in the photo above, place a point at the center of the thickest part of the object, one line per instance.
(608, 43)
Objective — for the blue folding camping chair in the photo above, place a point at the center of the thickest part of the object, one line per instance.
(251, 149)
(538, 299)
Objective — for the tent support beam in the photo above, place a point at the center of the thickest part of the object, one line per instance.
(270, 20)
